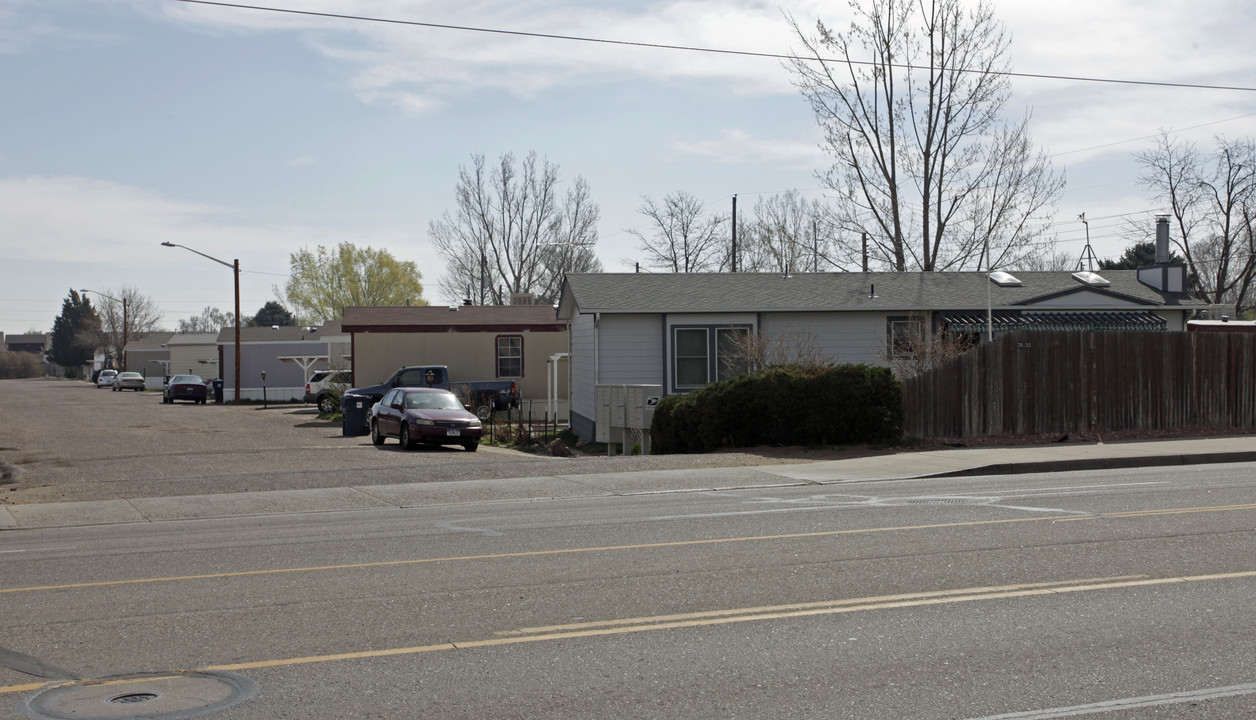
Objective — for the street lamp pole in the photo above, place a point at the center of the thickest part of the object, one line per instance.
(122, 350)
(235, 269)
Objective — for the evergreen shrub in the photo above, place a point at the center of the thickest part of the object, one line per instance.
(783, 405)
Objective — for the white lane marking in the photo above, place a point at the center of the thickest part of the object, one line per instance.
(451, 526)
(47, 549)
(1127, 703)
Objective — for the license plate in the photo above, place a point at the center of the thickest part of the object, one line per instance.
(453, 433)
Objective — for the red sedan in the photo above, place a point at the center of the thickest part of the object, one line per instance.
(424, 416)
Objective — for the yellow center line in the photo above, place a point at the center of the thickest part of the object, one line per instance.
(717, 617)
(641, 546)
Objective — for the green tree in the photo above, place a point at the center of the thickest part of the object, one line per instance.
(272, 313)
(1136, 256)
(324, 282)
(74, 333)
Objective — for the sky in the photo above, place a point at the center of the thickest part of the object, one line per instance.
(248, 134)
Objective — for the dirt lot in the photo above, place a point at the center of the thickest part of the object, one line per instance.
(65, 440)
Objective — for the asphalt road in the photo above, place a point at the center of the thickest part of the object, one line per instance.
(63, 441)
(1114, 594)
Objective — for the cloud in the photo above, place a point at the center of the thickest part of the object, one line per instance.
(415, 66)
(738, 146)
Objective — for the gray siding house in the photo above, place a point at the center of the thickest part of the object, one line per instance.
(286, 353)
(672, 329)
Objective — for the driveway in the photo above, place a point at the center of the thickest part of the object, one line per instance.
(65, 440)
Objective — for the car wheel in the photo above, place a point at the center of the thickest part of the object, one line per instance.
(483, 412)
(406, 443)
(375, 436)
(471, 446)
(327, 404)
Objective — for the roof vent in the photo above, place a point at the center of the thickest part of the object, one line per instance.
(1092, 279)
(1004, 279)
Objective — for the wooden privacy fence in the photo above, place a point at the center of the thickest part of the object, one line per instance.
(1049, 381)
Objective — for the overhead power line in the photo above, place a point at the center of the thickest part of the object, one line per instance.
(689, 48)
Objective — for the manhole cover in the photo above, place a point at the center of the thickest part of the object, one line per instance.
(155, 696)
(133, 698)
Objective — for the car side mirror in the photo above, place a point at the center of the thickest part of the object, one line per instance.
(397, 406)
(468, 407)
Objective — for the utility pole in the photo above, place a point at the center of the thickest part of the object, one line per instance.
(734, 233)
(865, 252)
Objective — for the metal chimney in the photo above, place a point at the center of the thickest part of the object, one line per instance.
(1162, 239)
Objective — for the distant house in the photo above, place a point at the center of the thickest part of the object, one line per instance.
(37, 343)
(476, 342)
(677, 331)
(194, 354)
(288, 354)
(149, 356)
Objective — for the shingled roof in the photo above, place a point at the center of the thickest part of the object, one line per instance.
(827, 292)
(466, 318)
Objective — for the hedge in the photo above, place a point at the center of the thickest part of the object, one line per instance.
(786, 405)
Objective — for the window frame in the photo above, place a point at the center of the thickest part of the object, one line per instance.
(893, 347)
(711, 357)
(677, 357)
(498, 357)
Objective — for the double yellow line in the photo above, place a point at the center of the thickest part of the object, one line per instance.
(714, 617)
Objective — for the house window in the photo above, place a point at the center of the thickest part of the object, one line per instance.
(692, 357)
(510, 356)
(905, 336)
(731, 354)
(703, 354)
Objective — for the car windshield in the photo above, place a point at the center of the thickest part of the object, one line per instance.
(432, 401)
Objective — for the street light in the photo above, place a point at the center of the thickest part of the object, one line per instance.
(235, 268)
(122, 350)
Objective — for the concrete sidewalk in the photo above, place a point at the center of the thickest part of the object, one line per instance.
(941, 463)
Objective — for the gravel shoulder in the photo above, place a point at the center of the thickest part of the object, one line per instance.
(65, 440)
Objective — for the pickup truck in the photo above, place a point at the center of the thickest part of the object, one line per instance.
(482, 396)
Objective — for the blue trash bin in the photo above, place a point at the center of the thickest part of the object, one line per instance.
(355, 412)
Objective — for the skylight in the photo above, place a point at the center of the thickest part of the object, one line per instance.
(1092, 279)
(1004, 279)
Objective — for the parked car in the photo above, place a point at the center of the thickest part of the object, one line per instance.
(483, 395)
(105, 378)
(424, 415)
(185, 387)
(325, 388)
(128, 381)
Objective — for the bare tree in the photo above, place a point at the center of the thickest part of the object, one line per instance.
(911, 110)
(756, 351)
(126, 314)
(511, 232)
(1212, 201)
(915, 346)
(682, 237)
(211, 319)
(788, 234)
